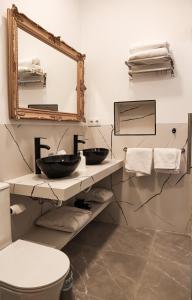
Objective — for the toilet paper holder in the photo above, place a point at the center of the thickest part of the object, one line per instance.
(17, 209)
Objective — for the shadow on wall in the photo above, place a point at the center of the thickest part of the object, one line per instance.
(159, 85)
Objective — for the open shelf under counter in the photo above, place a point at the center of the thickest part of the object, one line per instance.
(58, 239)
(33, 185)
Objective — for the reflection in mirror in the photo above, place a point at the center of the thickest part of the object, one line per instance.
(135, 117)
(46, 78)
(46, 75)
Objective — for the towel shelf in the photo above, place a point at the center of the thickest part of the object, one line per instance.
(41, 79)
(131, 72)
(150, 65)
(58, 239)
(150, 61)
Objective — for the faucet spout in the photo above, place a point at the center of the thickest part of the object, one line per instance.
(81, 142)
(45, 147)
(76, 141)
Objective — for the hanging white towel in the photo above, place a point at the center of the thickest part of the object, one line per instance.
(167, 160)
(139, 161)
(149, 54)
(155, 45)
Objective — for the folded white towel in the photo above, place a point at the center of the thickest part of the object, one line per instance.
(149, 53)
(167, 159)
(99, 195)
(155, 45)
(29, 61)
(30, 69)
(64, 218)
(139, 161)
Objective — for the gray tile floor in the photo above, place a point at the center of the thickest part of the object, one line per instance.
(112, 262)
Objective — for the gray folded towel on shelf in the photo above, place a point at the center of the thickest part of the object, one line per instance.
(65, 218)
(99, 195)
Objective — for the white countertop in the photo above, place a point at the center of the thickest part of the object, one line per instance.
(33, 185)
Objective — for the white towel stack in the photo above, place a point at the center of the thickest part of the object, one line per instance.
(139, 51)
(167, 160)
(30, 66)
(139, 161)
(148, 46)
(149, 57)
(150, 53)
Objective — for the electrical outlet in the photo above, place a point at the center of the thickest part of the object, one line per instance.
(94, 123)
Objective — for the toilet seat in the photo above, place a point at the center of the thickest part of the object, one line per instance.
(30, 267)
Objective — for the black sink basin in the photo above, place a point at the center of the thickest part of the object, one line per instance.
(95, 156)
(58, 166)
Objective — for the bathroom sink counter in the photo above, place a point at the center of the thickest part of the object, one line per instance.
(33, 185)
(62, 189)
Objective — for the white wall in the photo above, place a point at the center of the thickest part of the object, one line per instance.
(61, 17)
(109, 27)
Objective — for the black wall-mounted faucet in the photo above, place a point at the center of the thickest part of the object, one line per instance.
(76, 141)
(38, 147)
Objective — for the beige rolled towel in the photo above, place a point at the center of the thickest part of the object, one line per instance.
(99, 195)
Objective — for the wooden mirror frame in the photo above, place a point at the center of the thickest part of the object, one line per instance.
(17, 20)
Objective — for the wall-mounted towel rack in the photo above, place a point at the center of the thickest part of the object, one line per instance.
(126, 148)
(150, 65)
(34, 79)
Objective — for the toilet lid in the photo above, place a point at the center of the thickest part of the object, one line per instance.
(27, 265)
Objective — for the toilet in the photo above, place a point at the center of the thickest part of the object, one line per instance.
(28, 271)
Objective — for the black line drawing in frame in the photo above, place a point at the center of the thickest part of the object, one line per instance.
(135, 117)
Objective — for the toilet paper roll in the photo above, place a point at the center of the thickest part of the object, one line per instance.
(17, 209)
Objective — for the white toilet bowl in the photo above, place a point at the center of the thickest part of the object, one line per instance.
(28, 271)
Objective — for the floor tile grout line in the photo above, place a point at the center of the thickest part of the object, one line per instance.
(166, 274)
(146, 264)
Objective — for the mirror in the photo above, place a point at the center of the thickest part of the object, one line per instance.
(135, 117)
(46, 76)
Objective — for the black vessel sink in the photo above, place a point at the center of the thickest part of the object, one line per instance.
(95, 156)
(58, 166)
